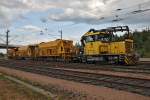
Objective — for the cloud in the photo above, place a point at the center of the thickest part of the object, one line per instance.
(86, 11)
(77, 11)
(26, 35)
(30, 28)
(101, 11)
(12, 10)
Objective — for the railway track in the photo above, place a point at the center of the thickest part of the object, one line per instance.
(135, 85)
(143, 68)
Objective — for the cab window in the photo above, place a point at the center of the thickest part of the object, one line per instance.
(90, 38)
(102, 37)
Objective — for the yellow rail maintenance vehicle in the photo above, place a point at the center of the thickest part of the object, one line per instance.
(56, 50)
(101, 46)
(12, 53)
(21, 52)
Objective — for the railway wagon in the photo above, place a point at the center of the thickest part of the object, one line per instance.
(101, 46)
(12, 53)
(21, 52)
(57, 50)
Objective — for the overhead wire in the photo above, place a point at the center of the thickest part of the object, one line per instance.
(119, 17)
(133, 9)
(1, 35)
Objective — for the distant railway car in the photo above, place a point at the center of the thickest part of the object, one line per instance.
(12, 53)
(100, 46)
(33, 51)
(56, 50)
(21, 52)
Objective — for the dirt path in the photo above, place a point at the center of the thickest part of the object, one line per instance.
(93, 92)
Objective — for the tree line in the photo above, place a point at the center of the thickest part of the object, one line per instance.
(142, 42)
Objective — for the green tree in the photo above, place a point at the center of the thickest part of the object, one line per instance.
(142, 42)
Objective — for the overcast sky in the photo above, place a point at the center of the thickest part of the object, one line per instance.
(33, 21)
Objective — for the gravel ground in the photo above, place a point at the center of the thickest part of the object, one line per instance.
(81, 91)
(145, 59)
(123, 74)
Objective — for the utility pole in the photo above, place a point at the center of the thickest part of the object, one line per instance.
(7, 41)
(60, 34)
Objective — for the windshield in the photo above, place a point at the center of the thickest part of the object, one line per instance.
(104, 38)
(101, 37)
(90, 38)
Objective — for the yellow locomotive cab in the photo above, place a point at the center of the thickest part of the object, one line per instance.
(99, 45)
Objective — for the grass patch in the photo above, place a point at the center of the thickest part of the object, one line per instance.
(2, 77)
(10, 90)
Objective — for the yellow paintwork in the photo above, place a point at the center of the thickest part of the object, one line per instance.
(22, 51)
(56, 48)
(98, 48)
(107, 48)
(93, 33)
(49, 48)
(12, 53)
